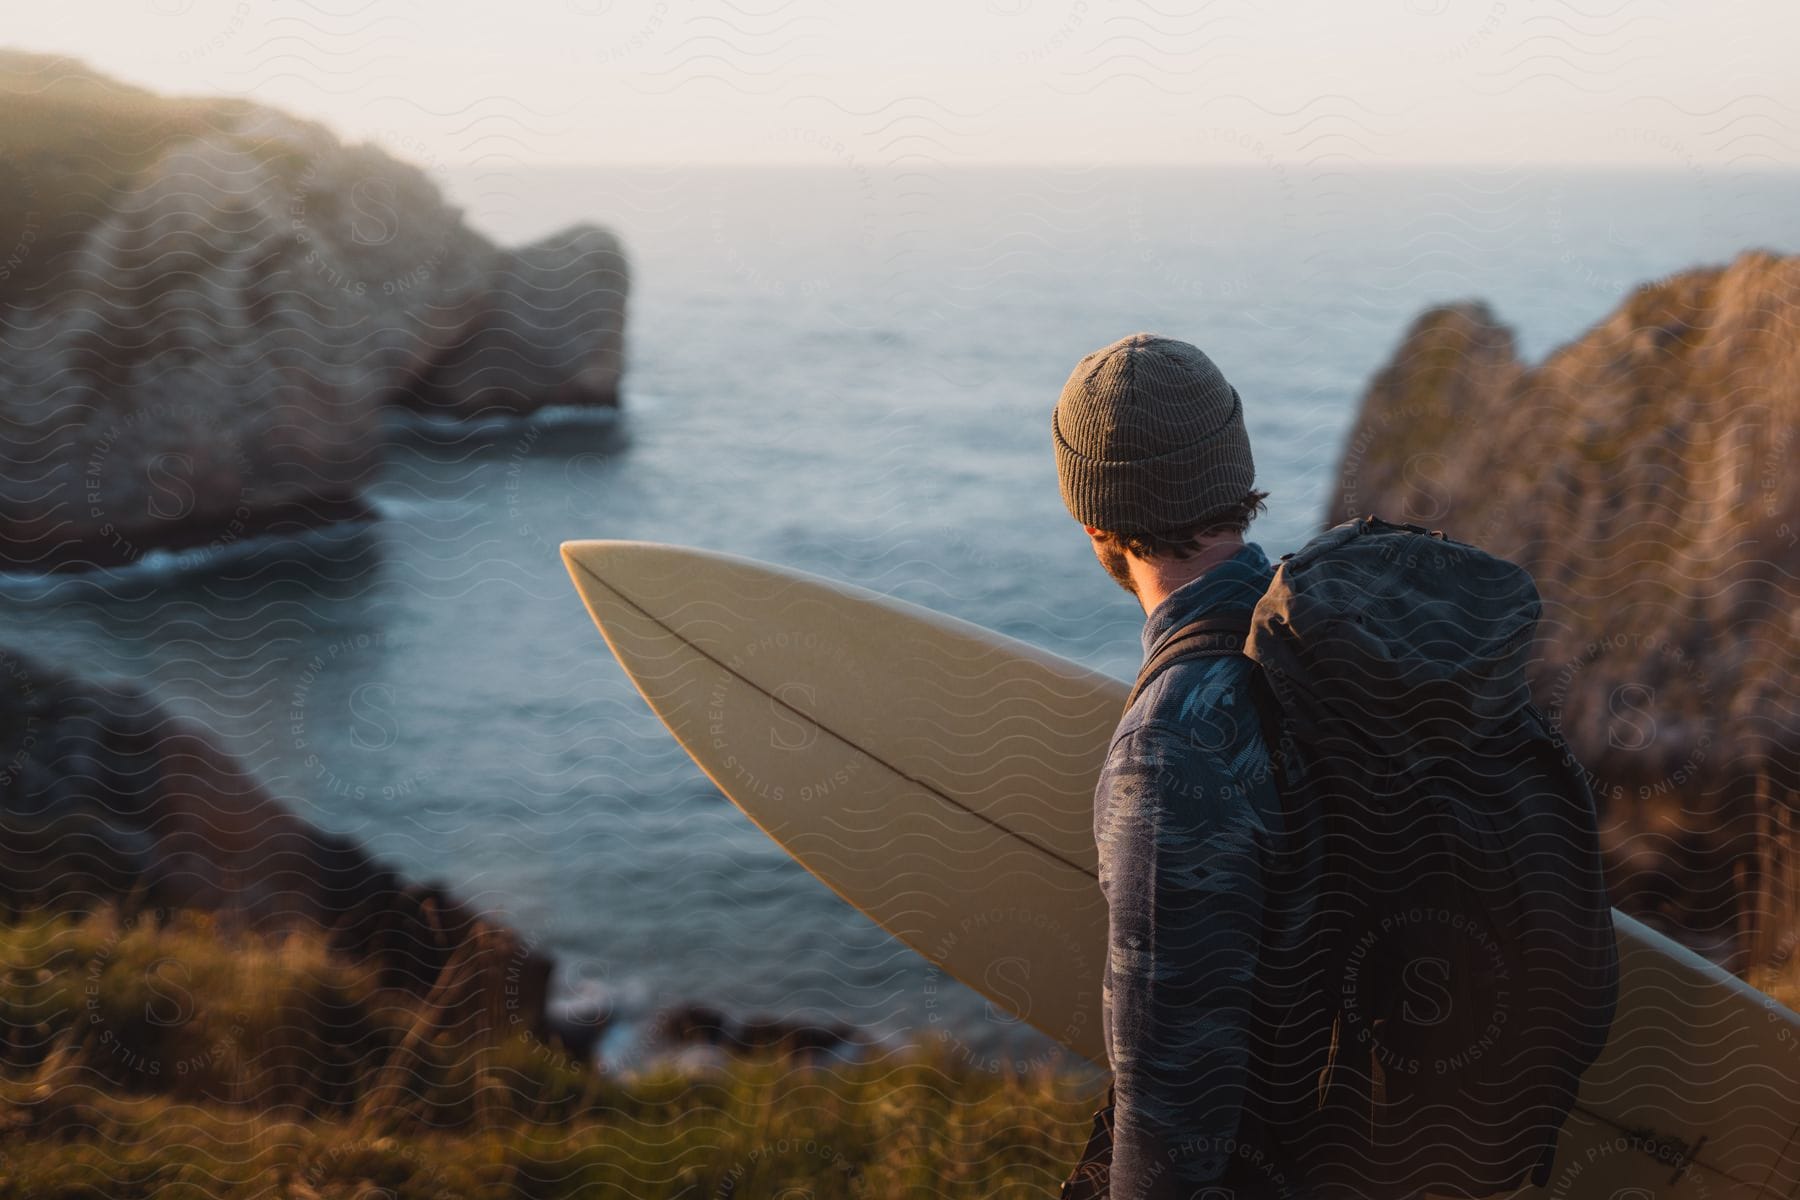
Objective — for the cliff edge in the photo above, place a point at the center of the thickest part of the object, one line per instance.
(1646, 474)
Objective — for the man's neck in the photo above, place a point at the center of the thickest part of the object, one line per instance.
(1157, 578)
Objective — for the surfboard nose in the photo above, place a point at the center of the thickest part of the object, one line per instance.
(624, 558)
(653, 577)
(598, 555)
(649, 597)
(606, 570)
(629, 588)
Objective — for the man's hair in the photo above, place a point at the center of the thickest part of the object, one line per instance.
(1235, 519)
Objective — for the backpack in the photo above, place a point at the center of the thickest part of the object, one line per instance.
(1451, 968)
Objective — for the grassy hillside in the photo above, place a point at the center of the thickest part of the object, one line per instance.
(176, 1058)
(170, 1056)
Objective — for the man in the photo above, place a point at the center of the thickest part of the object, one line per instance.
(1319, 963)
(1155, 463)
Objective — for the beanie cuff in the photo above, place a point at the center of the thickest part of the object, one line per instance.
(1171, 493)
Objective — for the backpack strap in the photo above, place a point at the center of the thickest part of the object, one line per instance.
(1208, 637)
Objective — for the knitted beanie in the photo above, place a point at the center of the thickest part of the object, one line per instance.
(1150, 438)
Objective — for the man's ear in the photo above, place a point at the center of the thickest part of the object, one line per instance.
(1091, 531)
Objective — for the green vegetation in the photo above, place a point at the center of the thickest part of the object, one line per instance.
(174, 1057)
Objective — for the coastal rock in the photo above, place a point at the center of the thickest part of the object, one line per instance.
(205, 304)
(1646, 474)
(548, 327)
(701, 1025)
(108, 798)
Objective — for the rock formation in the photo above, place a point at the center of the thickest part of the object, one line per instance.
(107, 798)
(204, 304)
(548, 327)
(1646, 474)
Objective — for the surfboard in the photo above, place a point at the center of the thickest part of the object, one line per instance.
(939, 776)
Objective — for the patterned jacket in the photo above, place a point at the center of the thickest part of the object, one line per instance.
(1184, 816)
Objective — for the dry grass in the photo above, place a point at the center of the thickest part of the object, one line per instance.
(183, 1060)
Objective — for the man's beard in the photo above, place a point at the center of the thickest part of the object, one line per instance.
(1113, 559)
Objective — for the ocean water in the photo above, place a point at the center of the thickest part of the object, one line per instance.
(849, 370)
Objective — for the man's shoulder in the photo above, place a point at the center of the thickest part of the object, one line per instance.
(1195, 706)
(1189, 772)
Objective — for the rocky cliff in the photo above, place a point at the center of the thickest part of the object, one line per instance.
(108, 799)
(204, 304)
(1648, 474)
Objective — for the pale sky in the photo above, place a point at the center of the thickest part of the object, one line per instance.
(1685, 84)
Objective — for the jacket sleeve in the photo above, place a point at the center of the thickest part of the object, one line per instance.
(1179, 842)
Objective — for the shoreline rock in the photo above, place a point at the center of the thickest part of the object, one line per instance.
(704, 1025)
(107, 798)
(113, 545)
